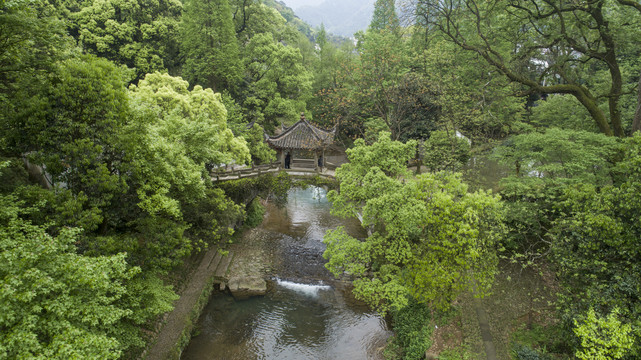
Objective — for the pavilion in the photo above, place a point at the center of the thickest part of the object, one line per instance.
(301, 143)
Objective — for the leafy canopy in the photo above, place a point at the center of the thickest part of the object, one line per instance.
(428, 237)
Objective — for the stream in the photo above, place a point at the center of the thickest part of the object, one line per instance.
(306, 314)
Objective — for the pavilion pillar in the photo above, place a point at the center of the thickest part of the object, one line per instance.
(316, 160)
(281, 155)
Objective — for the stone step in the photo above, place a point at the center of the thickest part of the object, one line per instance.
(221, 271)
(213, 263)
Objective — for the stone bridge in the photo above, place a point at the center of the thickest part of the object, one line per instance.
(299, 168)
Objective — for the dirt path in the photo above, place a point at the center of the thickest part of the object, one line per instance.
(180, 321)
(486, 334)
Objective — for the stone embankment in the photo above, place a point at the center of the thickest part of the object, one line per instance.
(242, 271)
(176, 332)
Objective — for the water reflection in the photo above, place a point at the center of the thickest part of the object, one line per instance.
(306, 314)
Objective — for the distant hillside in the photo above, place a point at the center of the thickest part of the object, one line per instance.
(339, 16)
(302, 25)
(296, 4)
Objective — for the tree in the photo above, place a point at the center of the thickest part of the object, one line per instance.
(379, 84)
(466, 95)
(595, 247)
(326, 64)
(428, 237)
(445, 151)
(252, 17)
(71, 126)
(33, 43)
(384, 18)
(556, 51)
(603, 338)
(57, 304)
(279, 85)
(209, 45)
(175, 136)
(136, 33)
(384, 62)
(636, 124)
(544, 164)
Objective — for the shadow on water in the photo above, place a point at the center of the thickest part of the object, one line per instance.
(306, 313)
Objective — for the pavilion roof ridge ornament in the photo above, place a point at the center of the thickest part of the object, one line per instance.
(302, 135)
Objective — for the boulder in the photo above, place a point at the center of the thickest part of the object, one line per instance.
(244, 287)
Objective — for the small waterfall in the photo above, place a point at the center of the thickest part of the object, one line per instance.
(306, 289)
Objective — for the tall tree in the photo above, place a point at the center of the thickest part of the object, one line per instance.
(279, 84)
(550, 47)
(212, 56)
(385, 17)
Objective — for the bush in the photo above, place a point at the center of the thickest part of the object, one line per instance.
(413, 328)
(445, 151)
(524, 352)
(255, 213)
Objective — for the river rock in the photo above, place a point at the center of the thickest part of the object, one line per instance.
(243, 287)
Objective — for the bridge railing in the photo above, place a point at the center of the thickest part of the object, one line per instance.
(306, 166)
(240, 171)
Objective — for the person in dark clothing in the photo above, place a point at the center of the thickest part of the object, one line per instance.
(288, 160)
(320, 162)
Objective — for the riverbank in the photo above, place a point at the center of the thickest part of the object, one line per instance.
(179, 324)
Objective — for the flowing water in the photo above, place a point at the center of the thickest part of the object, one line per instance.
(306, 314)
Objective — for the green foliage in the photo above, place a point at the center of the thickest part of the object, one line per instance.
(429, 238)
(413, 328)
(445, 151)
(255, 213)
(212, 217)
(32, 43)
(561, 155)
(603, 338)
(562, 111)
(596, 250)
(525, 352)
(136, 33)
(537, 340)
(77, 147)
(261, 152)
(57, 304)
(544, 164)
(586, 55)
(195, 118)
(279, 84)
(243, 191)
(469, 96)
(384, 17)
(209, 45)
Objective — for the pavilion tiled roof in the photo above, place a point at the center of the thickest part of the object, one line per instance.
(302, 136)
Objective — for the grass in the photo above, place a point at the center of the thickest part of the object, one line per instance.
(462, 352)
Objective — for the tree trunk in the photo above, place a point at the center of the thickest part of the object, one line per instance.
(636, 123)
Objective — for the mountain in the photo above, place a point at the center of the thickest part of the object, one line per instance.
(300, 24)
(296, 4)
(340, 17)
